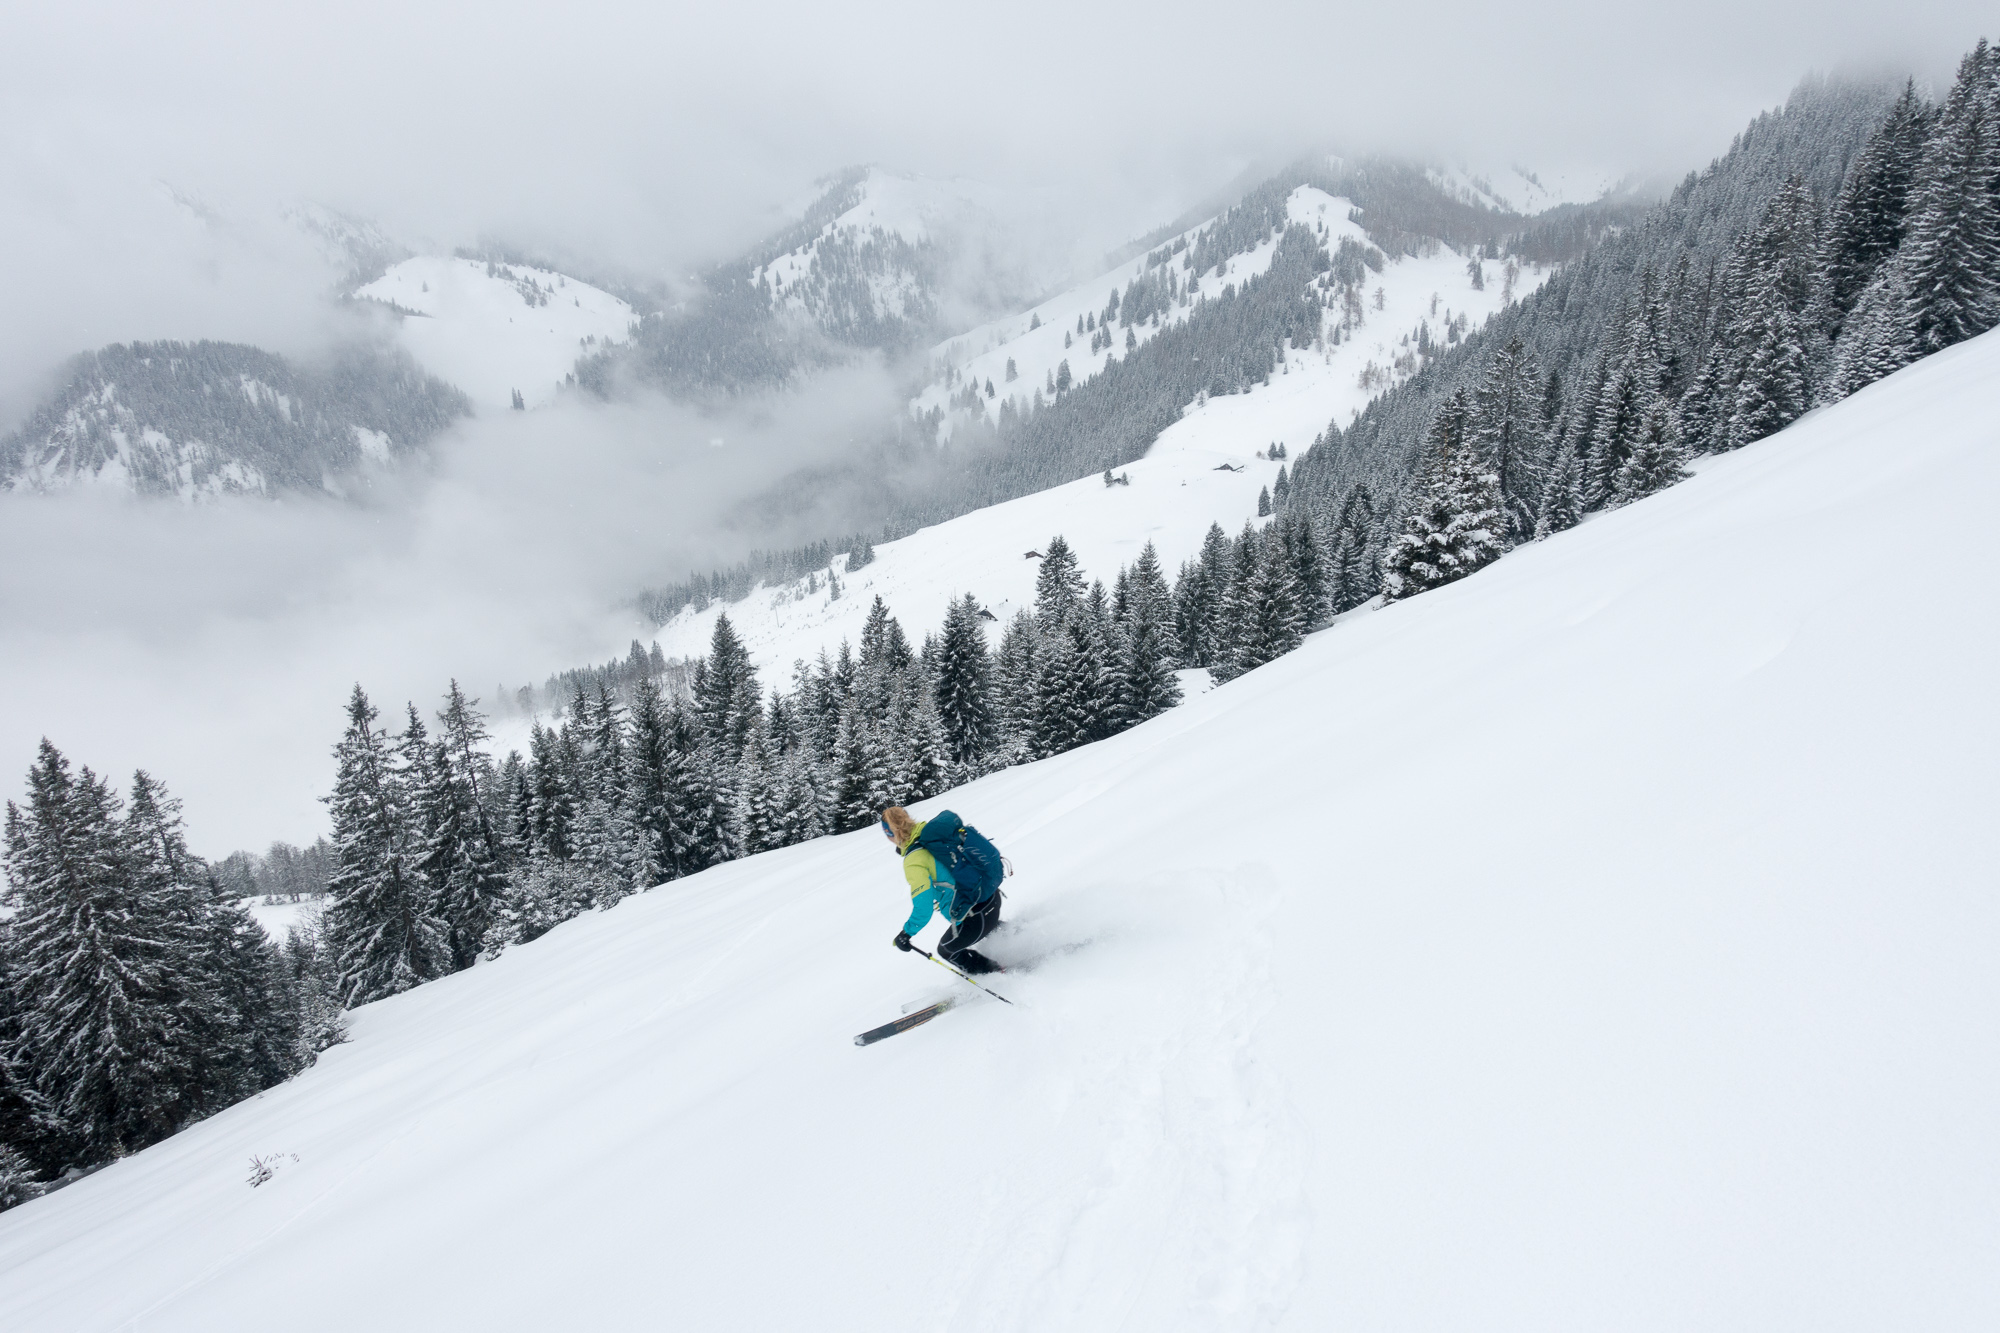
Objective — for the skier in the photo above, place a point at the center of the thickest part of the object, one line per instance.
(954, 871)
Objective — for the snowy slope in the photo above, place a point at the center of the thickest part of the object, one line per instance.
(1604, 942)
(492, 329)
(878, 270)
(1176, 491)
(1516, 189)
(1407, 285)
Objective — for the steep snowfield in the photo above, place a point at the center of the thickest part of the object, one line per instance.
(1603, 942)
(1176, 491)
(493, 329)
(1408, 287)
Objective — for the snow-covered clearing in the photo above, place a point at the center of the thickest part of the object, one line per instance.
(492, 329)
(1604, 942)
(278, 918)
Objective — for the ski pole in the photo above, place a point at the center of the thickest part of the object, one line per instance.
(960, 975)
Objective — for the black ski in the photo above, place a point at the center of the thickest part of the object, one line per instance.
(903, 1024)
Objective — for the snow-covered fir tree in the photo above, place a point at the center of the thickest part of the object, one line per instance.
(382, 924)
(1269, 617)
(1658, 459)
(97, 968)
(463, 861)
(964, 683)
(1951, 252)
(1509, 431)
(1562, 494)
(1454, 524)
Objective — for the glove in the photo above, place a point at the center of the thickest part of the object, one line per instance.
(902, 940)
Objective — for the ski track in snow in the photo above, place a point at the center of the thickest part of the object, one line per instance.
(1603, 942)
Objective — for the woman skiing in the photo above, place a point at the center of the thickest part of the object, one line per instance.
(953, 871)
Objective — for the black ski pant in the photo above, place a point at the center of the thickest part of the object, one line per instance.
(956, 946)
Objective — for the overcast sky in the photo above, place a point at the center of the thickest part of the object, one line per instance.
(653, 136)
(149, 147)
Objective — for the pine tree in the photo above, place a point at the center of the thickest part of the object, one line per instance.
(1058, 583)
(1951, 253)
(1773, 386)
(1015, 671)
(553, 800)
(921, 763)
(1658, 460)
(25, 1120)
(1311, 574)
(311, 979)
(382, 927)
(861, 774)
(256, 1024)
(219, 968)
(1868, 220)
(462, 860)
(1452, 527)
(1150, 687)
(656, 787)
(1149, 600)
(17, 1180)
(1629, 396)
(1562, 496)
(1235, 610)
(1508, 431)
(1704, 409)
(716, 836)
(722, 683)
(92, 969)
(1199, 594)
(802, 808)
(1072, 706)
(1351, 577)
(1270, 621)
(760, 796)
(964, 683)
(1877, 338)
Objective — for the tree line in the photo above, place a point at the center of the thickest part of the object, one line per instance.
(233, 418)
(136, 994)
(1842, 237)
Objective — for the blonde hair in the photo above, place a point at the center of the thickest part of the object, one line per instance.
(900, 824)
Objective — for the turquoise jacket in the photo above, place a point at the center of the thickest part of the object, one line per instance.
(931, 886)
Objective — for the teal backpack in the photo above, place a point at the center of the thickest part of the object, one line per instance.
(975, 864)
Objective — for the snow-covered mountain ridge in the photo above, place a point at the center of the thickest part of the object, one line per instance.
(1207, 467)
(1688, 1023)
(876, 273)
(498, 330)
(202, 420)
(1431, 290)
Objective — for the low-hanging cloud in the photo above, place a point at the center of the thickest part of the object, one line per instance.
(215, 644)
(643, 140)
